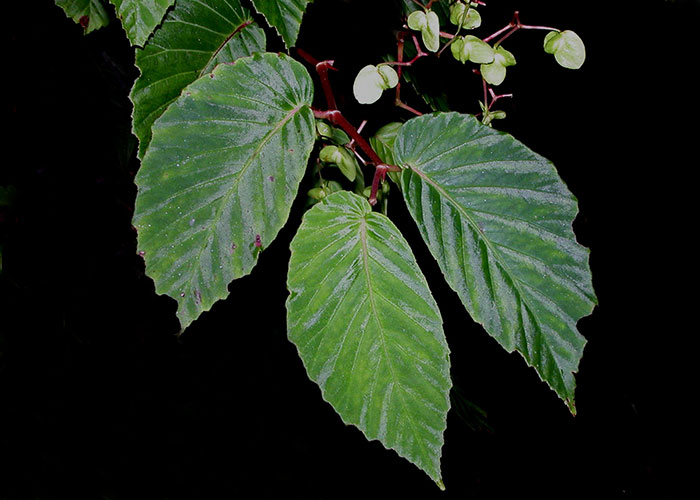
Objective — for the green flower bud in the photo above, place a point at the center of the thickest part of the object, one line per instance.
(316, 193)
(342, 158)
(330, 154)
(428, 23)
(323, 129)
(567, 47)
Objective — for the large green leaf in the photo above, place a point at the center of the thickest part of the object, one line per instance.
(220, 176)
(497, 218)
(90, 14)
(284, 15)
(367, 328)
(194, 37)
(140, 17)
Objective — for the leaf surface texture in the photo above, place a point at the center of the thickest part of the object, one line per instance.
(194, 38)
(367, 328)
(284, 15)
(497, 218)
(218, 181)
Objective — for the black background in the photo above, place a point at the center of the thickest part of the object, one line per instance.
(100, 399)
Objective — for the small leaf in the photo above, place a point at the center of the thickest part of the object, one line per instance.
(367, 328)
(218, 181)
(284, 15)
(140, 17)
(497, 218)
(567, 47)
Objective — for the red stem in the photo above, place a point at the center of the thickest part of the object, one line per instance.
(514, 26)
(322, 68)
(336, 118)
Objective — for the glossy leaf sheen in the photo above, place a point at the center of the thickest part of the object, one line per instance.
(497, 218)
(284, 15)
(140, 17)
(367, 328)
(194, 38)
(220, 176)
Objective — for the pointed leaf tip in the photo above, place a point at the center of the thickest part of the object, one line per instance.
(497, 218)
(367, 328)
(202, 212)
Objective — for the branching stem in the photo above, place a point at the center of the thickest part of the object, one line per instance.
(513, 26)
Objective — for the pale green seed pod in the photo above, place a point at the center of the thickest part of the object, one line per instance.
(495, 72)
(371, 81)
(471, 48)
(567, 47)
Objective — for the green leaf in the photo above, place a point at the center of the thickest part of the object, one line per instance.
(567, 47)
(140, 17)
(220, 176)
(497, 218)
(194, 37)
(284, 15)
(367, 328)
(90, 14)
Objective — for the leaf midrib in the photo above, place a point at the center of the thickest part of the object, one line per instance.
(234, 185)
(215, 54)
(515, 280)
(368, 274)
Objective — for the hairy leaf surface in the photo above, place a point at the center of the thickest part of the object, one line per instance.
(220, 176)
(497, 218)
(284, 15)
(194, 38)
(367, 328)
(140, 17)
